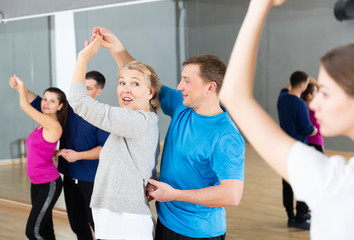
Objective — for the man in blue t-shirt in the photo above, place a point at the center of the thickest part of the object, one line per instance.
(202, 167)
(80, 146)
(294, 119)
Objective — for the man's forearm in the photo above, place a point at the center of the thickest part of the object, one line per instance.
(228, 193)
(30, 96)
(91, 154)
(314, 82)
(122, 57)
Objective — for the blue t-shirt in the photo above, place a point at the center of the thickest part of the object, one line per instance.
(199, 151)
(294, 116)
(78, 135)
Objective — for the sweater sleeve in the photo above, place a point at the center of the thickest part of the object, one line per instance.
(116, 120)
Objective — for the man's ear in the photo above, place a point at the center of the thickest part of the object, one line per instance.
(212, 86)
(99, 91)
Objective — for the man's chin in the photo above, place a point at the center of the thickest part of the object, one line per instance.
(185, 103)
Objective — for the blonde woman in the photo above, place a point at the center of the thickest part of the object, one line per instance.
(128, 158)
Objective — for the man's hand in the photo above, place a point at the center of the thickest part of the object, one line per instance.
(69, 155)
(160, 191)
(149, 188)
(109, 40)
(315, 131)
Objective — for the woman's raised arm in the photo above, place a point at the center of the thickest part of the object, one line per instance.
(272, 143)
(47, 122)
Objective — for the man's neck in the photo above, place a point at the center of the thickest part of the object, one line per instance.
(296, 92)
(209, 108)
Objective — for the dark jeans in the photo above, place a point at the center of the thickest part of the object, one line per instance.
(288, 202)
(40, 220)
(77, 196)
(317, 147)
(163, 233)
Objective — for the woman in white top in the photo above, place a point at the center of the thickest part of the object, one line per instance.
(128, 158)
(325, 184)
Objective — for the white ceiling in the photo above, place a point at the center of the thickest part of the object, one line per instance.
(22, 9)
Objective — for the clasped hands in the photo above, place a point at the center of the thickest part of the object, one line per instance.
(101, 37)
(160, 191)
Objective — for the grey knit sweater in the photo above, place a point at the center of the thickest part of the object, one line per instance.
(129, 156)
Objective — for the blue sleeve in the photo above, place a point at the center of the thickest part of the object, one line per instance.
(306, 127)
(36, 103)
(170, 100)
(101, 136)
(71, 113)
(284, 91)
(228, 157)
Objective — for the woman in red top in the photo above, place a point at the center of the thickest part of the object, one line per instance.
(309, 94)
(45, 179)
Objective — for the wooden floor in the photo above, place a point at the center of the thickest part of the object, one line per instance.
(260, 214)
(13, 218)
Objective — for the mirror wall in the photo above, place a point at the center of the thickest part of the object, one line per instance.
(163, 34)
(27, 49)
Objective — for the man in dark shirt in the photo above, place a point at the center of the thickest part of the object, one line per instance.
(294, 120)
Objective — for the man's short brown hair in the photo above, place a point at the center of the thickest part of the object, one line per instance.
(212, 69)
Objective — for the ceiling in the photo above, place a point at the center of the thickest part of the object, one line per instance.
(22, 9)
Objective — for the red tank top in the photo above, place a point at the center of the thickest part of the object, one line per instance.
(40, 165)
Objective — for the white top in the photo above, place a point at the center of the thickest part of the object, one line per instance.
(128, 226)
(327, 186)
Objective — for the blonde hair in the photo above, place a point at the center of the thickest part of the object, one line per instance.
(151, 79)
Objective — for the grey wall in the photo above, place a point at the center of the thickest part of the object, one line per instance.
(295, 36)
(147, 31)
(24, 51)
